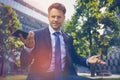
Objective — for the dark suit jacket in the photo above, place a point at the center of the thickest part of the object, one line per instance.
(41, 55)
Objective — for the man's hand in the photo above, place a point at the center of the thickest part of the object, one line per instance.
(95, 59)
(29, 41)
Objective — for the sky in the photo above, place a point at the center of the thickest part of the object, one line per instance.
(44, 4)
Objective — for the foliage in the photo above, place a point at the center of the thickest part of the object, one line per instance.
(93, 25)
(8, 24)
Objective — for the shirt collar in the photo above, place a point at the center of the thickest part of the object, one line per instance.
(52, 30)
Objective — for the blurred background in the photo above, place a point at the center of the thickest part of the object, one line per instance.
(94, 25)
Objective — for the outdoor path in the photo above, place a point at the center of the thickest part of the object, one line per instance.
(113, 76)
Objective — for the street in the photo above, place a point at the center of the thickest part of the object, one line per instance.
(14, 77)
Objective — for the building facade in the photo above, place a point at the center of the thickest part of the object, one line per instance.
(30, 17)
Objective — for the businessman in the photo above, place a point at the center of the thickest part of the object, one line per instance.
(50, 53)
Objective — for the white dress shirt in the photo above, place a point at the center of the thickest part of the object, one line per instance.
(63, 52)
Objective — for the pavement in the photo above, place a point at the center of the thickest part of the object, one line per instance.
(112, 76)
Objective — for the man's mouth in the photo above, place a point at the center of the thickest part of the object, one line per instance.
(55, 23)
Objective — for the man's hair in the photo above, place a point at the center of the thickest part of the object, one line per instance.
(58, 6)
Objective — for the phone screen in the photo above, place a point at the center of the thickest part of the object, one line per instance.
(18, 32)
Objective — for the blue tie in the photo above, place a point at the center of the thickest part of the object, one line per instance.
(58, 69)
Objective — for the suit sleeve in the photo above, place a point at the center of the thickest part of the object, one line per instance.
(77, 59)
(26, 58)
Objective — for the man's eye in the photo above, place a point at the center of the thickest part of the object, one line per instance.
(53, 16)
(56, 17)
(59, 17)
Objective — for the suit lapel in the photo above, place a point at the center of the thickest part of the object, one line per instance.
(66, 40)
(65, 37)
(67, 68)
(47, 39)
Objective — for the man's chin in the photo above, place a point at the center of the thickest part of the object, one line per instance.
(56, 28)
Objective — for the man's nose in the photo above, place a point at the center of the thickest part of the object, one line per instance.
(56, 18)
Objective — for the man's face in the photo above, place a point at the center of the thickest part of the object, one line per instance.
(56, 18)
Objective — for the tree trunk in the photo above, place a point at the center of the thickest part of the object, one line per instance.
(1, 64)
(92, 70)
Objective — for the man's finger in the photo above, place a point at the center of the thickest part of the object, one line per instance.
(30, 35)
(21, 38)
(97, 56)
(100, 61)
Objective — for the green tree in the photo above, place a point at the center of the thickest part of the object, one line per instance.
(115, 7)
(8, 24)
(90, 18)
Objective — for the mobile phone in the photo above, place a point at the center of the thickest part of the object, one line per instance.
(18, 32)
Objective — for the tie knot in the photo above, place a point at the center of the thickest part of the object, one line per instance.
(56, 33)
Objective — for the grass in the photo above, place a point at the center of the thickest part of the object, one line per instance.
(14, 77)
(23, 77)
